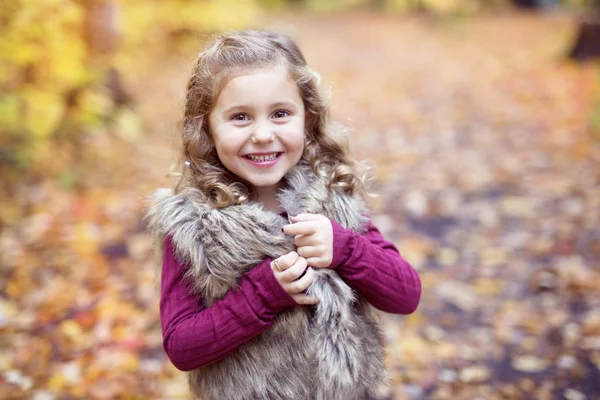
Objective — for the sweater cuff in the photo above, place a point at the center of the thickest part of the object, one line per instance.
(266, 290)
(343, 244)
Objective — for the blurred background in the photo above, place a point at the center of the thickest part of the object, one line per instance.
(482, 119)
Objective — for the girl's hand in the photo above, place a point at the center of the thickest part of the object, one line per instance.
(287, 269)
(314, 238)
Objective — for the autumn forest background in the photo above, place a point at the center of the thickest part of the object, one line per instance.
(481, 120)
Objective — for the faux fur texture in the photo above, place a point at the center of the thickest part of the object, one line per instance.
(330, 351)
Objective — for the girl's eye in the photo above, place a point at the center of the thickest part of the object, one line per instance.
(281, 114)
(239, 117)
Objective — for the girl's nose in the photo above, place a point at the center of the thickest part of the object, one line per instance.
(262, 133)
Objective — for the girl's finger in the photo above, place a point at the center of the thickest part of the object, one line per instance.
(306, 217)
(277, 265)
(305, 299)
(315, 262)
(293, 272)
(286, 261)
(301, 284)
(301, 228)
(308, 251)
(304, 240)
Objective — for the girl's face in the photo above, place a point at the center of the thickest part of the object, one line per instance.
(257, 126)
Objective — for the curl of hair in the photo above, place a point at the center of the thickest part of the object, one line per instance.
(232, 55)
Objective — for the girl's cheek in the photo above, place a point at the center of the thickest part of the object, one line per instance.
(294, 140)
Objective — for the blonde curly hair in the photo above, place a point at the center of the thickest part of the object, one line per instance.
(232, 55)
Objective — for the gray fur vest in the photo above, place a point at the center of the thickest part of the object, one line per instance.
(329, 351)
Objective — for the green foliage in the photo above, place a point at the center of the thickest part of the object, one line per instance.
(42, 58)
(332, 5)
(276, 4)
(148, 23)
(580, 4)
(441, 7)
(435, 6)
(54, 59)
(55, 56)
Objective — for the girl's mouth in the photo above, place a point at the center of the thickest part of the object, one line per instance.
(263, 160)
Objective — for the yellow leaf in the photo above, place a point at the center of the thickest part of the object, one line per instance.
(86, 238)
(475, 373)
(71, 329)
(43, 111)
(129, 125)
(9, 113)
(447, 256)
(7, 311)
(529, 364)
(488, 287)
(57, 382)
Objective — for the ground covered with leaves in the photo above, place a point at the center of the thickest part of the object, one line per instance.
(488, 181)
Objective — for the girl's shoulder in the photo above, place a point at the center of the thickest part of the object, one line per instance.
(167, 209)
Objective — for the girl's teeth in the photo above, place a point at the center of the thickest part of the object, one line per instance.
(268, 157)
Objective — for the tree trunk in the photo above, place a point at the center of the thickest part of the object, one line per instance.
(587, 43)
(526, 4)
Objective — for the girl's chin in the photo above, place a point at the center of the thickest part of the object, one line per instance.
(265, 185)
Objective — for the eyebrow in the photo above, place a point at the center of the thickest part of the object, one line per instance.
(274, 105)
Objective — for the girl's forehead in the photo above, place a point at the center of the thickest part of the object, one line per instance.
(236, 72)
(243, 78)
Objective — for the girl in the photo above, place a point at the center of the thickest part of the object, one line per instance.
(270, 263)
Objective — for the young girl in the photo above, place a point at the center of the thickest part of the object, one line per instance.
(270, 261)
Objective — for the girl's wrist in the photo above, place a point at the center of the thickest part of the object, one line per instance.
(268, 289)
(342, 247)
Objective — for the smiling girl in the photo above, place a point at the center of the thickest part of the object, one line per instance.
(265, 106)
(271, 264)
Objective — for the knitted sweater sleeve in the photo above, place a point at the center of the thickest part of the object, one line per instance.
(375, 268)
(194, 336)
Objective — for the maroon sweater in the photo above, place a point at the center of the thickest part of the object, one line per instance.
(194, 336)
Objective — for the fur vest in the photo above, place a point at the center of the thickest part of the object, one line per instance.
(333, 350)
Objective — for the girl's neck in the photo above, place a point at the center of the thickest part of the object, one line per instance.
(267, 196)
